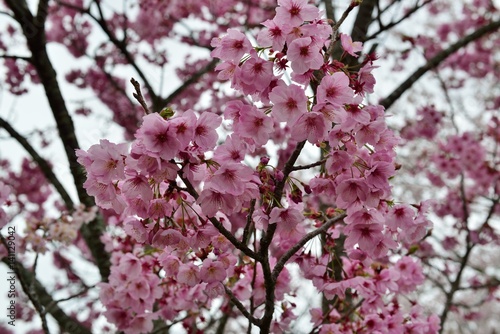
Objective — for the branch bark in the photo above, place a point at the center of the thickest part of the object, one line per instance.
(436, 60)
(42, 163)
(64, 321)
(157, 107)
(34, 31)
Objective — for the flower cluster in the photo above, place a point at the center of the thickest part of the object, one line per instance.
(205, 221)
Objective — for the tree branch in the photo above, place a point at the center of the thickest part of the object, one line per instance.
(42, 163)
(64, 321)
(193, 79)
(37, 43)
(292, 251)
(8, 56)
(436, 60)
(138, 95)
(395, 23)
(241, 307)
(222, 230)
(28, 286)
(120, 45)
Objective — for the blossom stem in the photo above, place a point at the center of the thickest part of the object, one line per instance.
(292, 251)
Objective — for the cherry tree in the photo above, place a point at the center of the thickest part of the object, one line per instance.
(275, 185)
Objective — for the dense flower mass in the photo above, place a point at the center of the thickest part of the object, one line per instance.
(263, 193)
(197, 210)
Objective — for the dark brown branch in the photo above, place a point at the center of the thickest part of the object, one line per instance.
(7, 56)
(193, 79)
(122, 46)
(138, 96)
(392, 24)
(363, 20)
(455, 285)
(42, 163)
(436, 60)
(315, 164)
(44, 299)
(329, 10)
(37, 43)
(335, 32)
(218, 225)
(266, 241)
(28, 286)
(42, 12)
(241, 307)
(292, 251)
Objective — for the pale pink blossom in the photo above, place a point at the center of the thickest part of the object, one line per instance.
(295, 12)
(273, 35)
(335, 90)
(311, 126)
(231, 46)
(289, 103)
(349, 46)
(212, 271)
(304, 55)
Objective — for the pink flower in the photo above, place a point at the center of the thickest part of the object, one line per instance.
(183, 127)
(215, 289)
(295, 12)
(136, 229)
(159, 208)
(233, 150)
(231, 179)
(255, 125)
(379, 173)
(335, 90)
(366, 78)
(351, 192)
(141, 323)
(188, 274)
(290, 102)
(139, 288)
(164, 238)
(205, 135)
(349, 46)
(311, 126)
(170, 264)
(370, 133)
(273, 35)
(286, 218)
(257, 73)
(137, 186)
(211, 271)
(304, 55)
(338, 161)
(212, 201)
(158, 138)
(107, 161)
(410, 274)
(366, 235)
(232, 46)
(338, 288)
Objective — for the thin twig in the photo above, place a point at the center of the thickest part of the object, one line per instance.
(436, 60)
(138, 96)
(316, 164)
(42, 163)
(335, 31)
(394, 23)
(218, 225)
(8, 56)
(28, 288)
(292, 251)
(241, 307)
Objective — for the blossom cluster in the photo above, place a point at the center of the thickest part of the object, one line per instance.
(196, 211)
